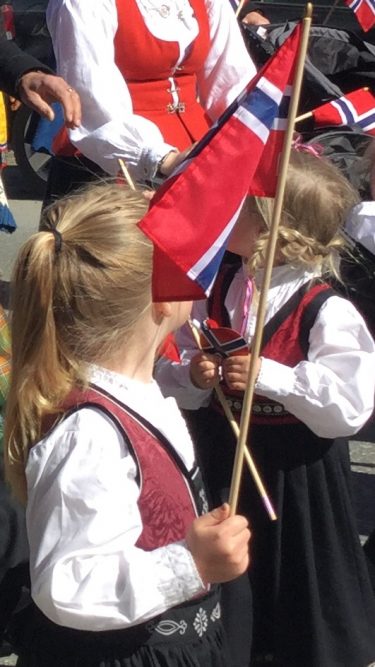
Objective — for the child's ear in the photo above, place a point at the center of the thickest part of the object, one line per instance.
(161, 310)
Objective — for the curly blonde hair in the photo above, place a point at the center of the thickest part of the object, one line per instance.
(77, 293)
(317, 199)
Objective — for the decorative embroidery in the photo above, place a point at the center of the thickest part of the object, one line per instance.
(216, 613)
(200, 622)
(203, 498)
(168, 627)
(259, 408)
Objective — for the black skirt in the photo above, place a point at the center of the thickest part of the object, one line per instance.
(189, 635)
(313, 604)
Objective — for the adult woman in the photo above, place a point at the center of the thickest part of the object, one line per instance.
(139, 66)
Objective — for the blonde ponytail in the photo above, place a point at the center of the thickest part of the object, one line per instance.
(78, 289)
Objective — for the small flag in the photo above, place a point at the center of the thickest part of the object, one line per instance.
(265, 178)
(222, 340)
(355, 108)
(195, 210)
(364, 11)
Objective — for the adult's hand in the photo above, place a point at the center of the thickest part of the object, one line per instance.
(255, 18)
(39, 89)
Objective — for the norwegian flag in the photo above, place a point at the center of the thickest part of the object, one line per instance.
(194, 212)
(234, 4)
(222, 340)
(364, 11)
(265, 179)
(356, 108)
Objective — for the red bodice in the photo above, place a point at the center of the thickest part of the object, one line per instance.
(148, 65)
(286, 341)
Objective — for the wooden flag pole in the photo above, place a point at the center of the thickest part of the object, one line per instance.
(239, 8)
(304, 116)
(126, 174)
(269, 259)
(235, 428)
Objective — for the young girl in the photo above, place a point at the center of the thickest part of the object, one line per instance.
(313, 605)
(122, 565)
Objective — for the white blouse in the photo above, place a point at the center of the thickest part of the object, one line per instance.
(83, 519)
(332, 392)
(360, 224)
(83, 37)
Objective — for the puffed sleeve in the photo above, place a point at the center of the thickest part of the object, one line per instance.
(83, 40)
(228, 67)
(332, 392)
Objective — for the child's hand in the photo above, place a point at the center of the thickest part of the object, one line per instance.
(204, 370)
(219, 545)
(236, 370)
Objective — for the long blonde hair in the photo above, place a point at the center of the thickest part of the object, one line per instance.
(317, 199)
(78, 289)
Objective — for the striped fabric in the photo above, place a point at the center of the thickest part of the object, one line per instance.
(4, 356)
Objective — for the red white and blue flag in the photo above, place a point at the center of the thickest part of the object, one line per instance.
(265, 178)
(223, 341)
(355, 108)
(364, 11)
(234, 4)
(193, 213)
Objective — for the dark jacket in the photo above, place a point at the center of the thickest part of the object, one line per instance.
(14, 63)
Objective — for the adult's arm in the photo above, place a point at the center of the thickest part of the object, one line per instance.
(23, 76)
(83, 38)
(13, 64)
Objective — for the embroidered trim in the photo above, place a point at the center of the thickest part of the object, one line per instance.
(268, 409)
(168, 627)
(203, 497)
(216, 613)
(200, 624)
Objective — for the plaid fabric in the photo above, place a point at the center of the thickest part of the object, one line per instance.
(4, 356)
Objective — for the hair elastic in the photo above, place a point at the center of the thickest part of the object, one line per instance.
(314, 149)
(58, 239)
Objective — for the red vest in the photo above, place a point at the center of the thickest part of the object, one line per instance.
(168, 500)
(146, 64)
(285, 339)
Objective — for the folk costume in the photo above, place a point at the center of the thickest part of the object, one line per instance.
(140, 67)
(313, 603)
(112, 490)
